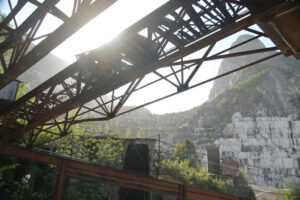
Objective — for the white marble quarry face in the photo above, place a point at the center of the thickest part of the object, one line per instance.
(267, 148)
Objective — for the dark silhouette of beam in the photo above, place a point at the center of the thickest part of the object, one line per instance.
(93, 172)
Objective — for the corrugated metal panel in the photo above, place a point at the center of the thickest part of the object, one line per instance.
(9, 91)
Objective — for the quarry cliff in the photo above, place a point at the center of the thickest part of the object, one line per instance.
(252, 114)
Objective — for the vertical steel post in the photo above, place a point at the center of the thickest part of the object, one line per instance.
(157, 171)
(60, 182)
(182, 194)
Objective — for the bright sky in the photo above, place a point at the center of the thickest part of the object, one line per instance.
(104, 28)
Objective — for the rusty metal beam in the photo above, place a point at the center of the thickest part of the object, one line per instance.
(284, 30)
(12, 14)
(128, 76)
(54, 11)
(70, 26)
(153, 17)
(60, 181)
(231, 55)
(92, 172)
(223, 33)
(202, 83)
(18, 33)
(271, 49)
(182, 193)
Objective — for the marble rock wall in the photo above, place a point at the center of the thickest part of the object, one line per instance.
(267, 148)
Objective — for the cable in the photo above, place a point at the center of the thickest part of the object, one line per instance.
(229, 166)
(246, 167)
(208, 162)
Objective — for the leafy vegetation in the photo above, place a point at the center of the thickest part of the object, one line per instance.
(187, 172)
(185, 150)
(101, 150)
(293, 192)
(183, 166)
(22, 89)
(235, 99)
(22, 180)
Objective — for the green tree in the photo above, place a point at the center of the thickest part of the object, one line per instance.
(91, 143)
(22, 89)
(293, 192)
(185, 150)
(192, 174)
(24, 180)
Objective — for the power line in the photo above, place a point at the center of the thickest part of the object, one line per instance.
(232, 167)
(197, 153)
(245, 167)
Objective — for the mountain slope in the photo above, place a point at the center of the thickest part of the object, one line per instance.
(252, 115)
(271, 88)
(42, 70)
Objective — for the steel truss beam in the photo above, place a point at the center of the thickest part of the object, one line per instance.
(15, 56)
(92, 172)
(84, 87)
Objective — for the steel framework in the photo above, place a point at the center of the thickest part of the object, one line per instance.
(15, 56)
(173, 32)
(170, 45)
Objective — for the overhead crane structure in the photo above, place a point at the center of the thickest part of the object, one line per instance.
(174, 31)
(15, 46)
(101, 80)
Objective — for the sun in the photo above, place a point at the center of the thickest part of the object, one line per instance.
(106, 26)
